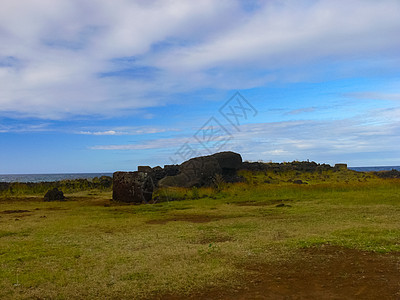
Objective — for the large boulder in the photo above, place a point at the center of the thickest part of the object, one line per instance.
(228, 160)
(171, 170)
(132, 187)
(158, 173)
(201, 171)
(145, 169)
(54, 195)
(194, 172)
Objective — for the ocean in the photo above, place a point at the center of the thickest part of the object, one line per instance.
(49, 177)
(57, 177)
(374, 169)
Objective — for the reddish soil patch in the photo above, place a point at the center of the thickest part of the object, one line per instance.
(20, 199)
(15, 211)
(325, 272)
(92, 200)
(259, 203)
(55, 208)
(187, 218)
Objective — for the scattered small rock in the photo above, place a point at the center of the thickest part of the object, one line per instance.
(299, 181)
(54, 195)
(283, 205)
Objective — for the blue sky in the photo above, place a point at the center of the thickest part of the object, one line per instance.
(100, 86)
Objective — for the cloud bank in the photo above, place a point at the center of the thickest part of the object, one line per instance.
(68, 58)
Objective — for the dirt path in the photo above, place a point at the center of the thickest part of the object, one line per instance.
(319, 273)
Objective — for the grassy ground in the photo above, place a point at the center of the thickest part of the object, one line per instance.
(89, 247)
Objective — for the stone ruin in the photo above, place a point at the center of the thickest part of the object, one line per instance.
(132, 187)
(340, 167)
(137, 187)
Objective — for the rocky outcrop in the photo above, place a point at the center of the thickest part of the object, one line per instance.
(388, 174)
(197, 171)
(228, 160)
(230, 163)
(301, 166)
(54, 195)
(137, 187)
(145, 169)
(132, 187)
(200, 171)
(340, 167)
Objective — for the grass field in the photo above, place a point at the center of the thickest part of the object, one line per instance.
(90, 247)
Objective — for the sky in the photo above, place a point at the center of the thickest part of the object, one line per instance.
(101, 86)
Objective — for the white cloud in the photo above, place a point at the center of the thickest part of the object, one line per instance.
(366, 139)
(375, 96)
(284, 33)
(53, 53)
(301, 110)
(23, 128)
(108, 132)
(127, 131)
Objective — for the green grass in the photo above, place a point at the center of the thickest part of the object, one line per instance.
(89, 247)
(18, 189)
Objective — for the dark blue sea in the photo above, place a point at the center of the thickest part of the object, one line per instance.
(375, 169)
(49, 177)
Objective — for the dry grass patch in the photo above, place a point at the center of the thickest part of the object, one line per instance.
(85, 250)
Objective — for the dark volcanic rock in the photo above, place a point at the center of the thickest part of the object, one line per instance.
(132, 187)
(388, 174)
(54, 195)
(340, 167)
(301, 166)
(201, 171)
(194, 172)
(137, 187)
(171, 170)
(156, 174)
(145, 169)
(228, 160)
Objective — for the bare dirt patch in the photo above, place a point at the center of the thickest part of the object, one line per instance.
(21, 199)
(55, 208)
(262, 203)
(187, 218)
(93, 201)
(325, 272)
(15, 211)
